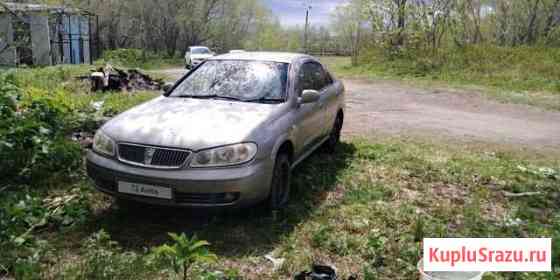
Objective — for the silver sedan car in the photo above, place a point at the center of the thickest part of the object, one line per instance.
(228, 133)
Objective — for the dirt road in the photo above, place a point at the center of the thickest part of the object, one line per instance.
(394, 108)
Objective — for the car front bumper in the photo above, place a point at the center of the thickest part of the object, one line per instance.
(238, 186)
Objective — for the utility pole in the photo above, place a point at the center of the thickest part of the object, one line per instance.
(307, 4)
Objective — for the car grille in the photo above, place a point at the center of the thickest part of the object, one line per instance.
(152, 156)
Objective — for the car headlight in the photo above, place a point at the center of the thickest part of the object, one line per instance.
(103, 144)
(224, 156)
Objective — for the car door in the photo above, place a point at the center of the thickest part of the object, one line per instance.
(328, 100)
(309, 121)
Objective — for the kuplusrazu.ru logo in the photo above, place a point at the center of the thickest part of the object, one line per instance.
(487, 254)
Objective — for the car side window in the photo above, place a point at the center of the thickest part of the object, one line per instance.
(305, 78)
(311, 76)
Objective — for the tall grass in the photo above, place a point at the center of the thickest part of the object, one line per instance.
(520, 68)
(135, 58)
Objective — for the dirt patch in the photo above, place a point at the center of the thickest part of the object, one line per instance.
(393, 108)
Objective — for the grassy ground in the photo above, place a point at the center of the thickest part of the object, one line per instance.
(61, 83)
(363, 210)
(518, 75)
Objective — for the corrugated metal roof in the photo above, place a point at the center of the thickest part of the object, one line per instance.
(28, 7)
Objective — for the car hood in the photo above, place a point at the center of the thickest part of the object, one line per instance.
(189, 123)
(201, 56)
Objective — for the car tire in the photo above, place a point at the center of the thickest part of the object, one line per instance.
(334, 136)
(280, 185)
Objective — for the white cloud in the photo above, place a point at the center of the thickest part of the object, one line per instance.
(292, 12)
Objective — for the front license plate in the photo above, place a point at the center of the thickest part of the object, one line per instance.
(145, 190)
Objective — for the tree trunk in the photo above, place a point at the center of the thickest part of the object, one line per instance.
(356, 47)
(531, 29)
(550, 19)
(401, 20)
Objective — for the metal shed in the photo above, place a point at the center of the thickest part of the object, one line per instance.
(36, 34)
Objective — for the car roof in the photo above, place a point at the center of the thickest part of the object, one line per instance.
(283, 57)
(197, 47)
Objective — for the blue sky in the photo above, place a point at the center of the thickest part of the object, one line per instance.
(292, 12)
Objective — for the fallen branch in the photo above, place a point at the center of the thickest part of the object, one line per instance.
(23, 237)
(510, 194)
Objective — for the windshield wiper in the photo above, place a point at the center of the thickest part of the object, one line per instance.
(215, 96)
(211, 96)
(265, 100)
(196, 96)
(229, 98)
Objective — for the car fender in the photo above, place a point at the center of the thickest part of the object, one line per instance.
(287, 136)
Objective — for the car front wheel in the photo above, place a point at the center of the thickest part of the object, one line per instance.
(280, 185)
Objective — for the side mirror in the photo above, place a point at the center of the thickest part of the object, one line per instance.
(167, 88)
(309, 96)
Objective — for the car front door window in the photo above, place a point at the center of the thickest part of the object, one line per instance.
(306, 78)
(319, 77)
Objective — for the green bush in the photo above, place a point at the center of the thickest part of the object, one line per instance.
(128, 57)
(32, 140)
(519, 68)
(40, 109)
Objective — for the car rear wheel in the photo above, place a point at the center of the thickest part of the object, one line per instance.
(280, 185)
(334, 137)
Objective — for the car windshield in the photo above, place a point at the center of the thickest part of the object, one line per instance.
(200, 51)
(251, 81)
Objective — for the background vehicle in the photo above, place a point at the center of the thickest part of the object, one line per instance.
(197, 54)
(227, 134)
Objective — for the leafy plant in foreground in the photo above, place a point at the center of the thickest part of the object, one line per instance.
(183, 253)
